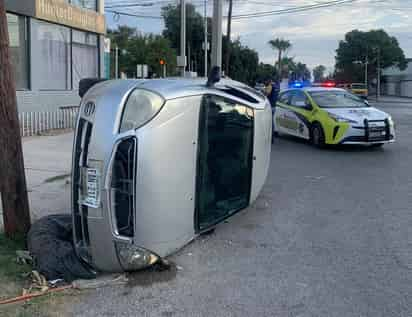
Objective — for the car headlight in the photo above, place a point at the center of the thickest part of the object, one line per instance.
(338, 118)
(141, 107)
(134, 258)
(390, 121)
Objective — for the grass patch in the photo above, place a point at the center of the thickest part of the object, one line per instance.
(13, 280)
(10, 270)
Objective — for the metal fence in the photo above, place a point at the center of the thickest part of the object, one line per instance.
(35, 123)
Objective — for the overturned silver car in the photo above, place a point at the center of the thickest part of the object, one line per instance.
(157, 162)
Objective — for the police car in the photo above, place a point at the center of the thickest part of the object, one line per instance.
(331, 116)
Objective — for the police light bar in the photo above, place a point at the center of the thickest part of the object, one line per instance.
(328, 84)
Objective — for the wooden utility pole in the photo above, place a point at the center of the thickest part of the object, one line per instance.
(229, 31)
(13, 188)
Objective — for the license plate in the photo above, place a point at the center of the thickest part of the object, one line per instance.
(377, 134)
(92, 198)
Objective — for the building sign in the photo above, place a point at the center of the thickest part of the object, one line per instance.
(58, 11)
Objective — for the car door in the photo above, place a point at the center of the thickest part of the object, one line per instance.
(300, 112)
(281, 119)
(225, 159)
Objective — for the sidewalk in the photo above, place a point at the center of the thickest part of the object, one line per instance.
(47, 161)
(391, 99)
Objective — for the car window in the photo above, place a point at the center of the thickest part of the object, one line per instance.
(298, 99)
(358, 86)
(284, 97)
(336, 99)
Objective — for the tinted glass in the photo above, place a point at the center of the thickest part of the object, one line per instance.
(284, 98)
(336, 99)
(225, 159)
(18, 49)
(85, 56)
(358, 86)
(53, 43)
(87, 4)
(298, 99)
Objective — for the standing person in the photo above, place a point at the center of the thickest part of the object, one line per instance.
(272, 93)
(268, 88)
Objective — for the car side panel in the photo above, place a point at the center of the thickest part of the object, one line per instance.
(293, 121)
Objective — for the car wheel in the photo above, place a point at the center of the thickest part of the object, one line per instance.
(318, 137)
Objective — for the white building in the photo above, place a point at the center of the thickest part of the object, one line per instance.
(54, 43)
(396, 82)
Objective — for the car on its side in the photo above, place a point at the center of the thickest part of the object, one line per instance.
(331, 116)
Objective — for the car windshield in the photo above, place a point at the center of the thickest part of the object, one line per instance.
(336, 99)
(358, 86)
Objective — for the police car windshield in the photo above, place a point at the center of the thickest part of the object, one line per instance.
(336, 99)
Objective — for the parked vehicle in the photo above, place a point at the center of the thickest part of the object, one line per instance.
(331, 116)
(358, 89)
(157, 162)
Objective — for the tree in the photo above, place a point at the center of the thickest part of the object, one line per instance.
(319, 73)
(281, 45)
(359, 46)
(302, 72)
(244, 62)
(194, 32)
(135, 48)
(13, 187)
(265, 72)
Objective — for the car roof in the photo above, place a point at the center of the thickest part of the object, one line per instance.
(172, 88)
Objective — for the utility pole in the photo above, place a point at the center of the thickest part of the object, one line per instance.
(13, 188)
(378, 91)
(205, 38)
(217, 33)
(366, 72)
(229, 30)
(182, 58)
(116, 61)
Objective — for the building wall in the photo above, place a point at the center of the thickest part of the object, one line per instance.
(37, 95)
(398, 83)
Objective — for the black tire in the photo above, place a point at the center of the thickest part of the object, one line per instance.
(318, 136)
(377, 145)
(274, 135)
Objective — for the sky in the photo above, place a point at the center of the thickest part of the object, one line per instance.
(314, 34)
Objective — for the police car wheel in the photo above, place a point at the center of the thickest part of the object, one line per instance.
(318, 137)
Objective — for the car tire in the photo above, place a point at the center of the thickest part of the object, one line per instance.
(318, 136)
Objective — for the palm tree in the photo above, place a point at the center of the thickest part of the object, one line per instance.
(281, 45)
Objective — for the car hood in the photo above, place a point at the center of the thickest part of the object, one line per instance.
(359, 114)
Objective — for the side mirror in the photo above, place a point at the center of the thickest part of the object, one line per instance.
(367, 103)
(86, 83)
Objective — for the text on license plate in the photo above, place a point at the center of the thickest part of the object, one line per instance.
(92, 198)
(375, 134)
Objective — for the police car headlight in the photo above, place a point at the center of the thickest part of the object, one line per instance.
(134, 258)
(338, 118)
(141, 107)
(390, 121)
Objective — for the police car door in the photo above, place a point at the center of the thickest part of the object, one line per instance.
(300, 112)
(282, 120)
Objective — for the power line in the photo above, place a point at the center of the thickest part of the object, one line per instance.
(292, 10)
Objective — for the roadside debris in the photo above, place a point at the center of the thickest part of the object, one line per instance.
(50, 242)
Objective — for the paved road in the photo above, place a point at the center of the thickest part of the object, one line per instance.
(331, 235)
